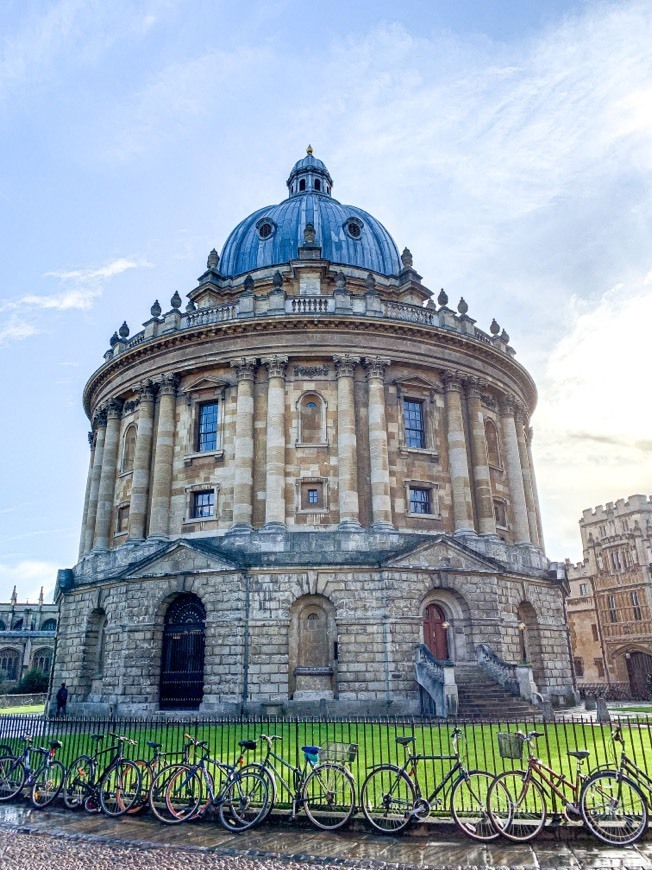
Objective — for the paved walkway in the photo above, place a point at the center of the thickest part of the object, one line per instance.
(66, 841)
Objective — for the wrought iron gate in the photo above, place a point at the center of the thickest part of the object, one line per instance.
(639, 667)
(182, 664)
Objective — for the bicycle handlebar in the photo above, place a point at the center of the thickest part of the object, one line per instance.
(123, 739)
(270, 739)
(617, 734)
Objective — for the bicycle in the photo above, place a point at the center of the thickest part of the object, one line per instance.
(323, 787)
(114, 789)
(517, 798)
(149, 770)
(392, 796)
(613, 805)
(190, 791)
(44, 781)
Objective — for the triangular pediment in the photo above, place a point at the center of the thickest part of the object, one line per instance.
(442, 553)
(181, 557)
(205, 383)
(416, 381)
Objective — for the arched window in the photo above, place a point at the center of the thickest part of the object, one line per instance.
(129, 448)
(9, 664)
(18, 625)
(491, 437)
(3, 627)
(182, 657)
(42, 659)
(101, 648)
(317, 184)
(302, 184)
(311, 419)
(49, 625)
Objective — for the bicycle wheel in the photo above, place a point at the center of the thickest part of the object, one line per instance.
(47, 784)
(12, 777)
(157, 802)
(119, 788)
(243, 804)
(469, 805)
(6, 750)
(78, 781)
(387, 797)
(270, 779)
(614, 808)
(146, 777)
(184, 794)
(329, 796)
(517, 806)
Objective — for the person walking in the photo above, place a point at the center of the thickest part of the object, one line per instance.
(62, 700)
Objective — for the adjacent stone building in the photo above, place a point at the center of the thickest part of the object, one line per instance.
(609, 607)
(27, 633)
(311, 482)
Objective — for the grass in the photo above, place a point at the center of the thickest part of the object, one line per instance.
(11, 711)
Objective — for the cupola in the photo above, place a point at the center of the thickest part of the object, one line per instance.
(309, 175)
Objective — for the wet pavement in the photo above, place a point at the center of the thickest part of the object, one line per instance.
(67, 841)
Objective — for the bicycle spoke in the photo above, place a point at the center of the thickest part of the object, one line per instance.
(469, 806)
(387, 799)
(329, 796)
(614, 809)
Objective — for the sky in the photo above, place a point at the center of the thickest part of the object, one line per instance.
(507, 143)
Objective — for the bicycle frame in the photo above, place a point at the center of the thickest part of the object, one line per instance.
(300, 775)
(628, 767)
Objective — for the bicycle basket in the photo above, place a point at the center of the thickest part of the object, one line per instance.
(510, 745)
(338, 752)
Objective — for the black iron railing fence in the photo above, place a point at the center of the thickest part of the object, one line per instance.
(375, 739)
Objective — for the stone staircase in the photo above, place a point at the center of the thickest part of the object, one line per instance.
(479, 696)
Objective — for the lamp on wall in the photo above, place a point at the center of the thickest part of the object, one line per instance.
(521, 628)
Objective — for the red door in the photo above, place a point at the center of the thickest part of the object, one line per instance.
(434, 633)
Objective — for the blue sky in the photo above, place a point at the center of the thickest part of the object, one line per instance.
(507, 144)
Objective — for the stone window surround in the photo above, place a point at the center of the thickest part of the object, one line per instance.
(124, 472)
(311, 510)
(201, 487)
(494, 423)
(503, 502)
(324, 442)
(120, 533)
(195, 397)
(426, 395)
(434, 498)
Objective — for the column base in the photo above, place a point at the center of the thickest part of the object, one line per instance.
(158, 536)
(274, 527)
(349, 526)
(383, 526)
(134, 540)
(240, 529)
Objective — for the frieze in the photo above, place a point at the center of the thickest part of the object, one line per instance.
(311, 371)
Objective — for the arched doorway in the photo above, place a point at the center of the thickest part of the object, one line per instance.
(312, 652)
(435, 636)
(639, 666)
(182, 660)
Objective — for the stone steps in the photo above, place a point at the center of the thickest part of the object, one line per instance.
(480, 696)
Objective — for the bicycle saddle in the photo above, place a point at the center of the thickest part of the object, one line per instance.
(580, 754)
(310, 750)
(153, 745)
(405, 741)
(247, 744)
(55, 744)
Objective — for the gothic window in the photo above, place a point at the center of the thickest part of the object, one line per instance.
(636, 607)
(584, 589)
(203, 503)
(49, 625)
(18, 625)
(611, 605)
(312, 419)
(129, 448)
(9, 664)
(491, 437)
(42, 660)
(207, 429)
(415, 425)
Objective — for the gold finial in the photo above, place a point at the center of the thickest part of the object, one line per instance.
(309, 149)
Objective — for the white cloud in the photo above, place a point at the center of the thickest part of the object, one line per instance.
(17, 329)
(28, 576)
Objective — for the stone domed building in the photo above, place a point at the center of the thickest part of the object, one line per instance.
(310, 484)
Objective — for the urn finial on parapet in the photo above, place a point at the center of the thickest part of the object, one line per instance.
(213, 260)
(406, 258)
(248, 284)
(462, 306)
(309, 234)
(494, 329)
(114, 339)
(277, 280)
(443, 297)
(175, 302)
(124, 330)
(155, 310)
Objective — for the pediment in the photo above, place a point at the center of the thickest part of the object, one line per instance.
(442, 553)
(181, 558)
(205, 383)
(416, 382)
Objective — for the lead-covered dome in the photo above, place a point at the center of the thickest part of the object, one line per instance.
(347, 235)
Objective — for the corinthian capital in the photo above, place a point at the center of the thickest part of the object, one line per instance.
(99, 417)
(245, 369)
(453, 381)
(508, 405)
(276, 365)
(474, 387)
(168, 384)
(376, 366)
(114, 409)
(146, 391)
(345, 364)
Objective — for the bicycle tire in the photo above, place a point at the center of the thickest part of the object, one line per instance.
(614, 808)
(184, 793)
(146, 779)
(119, 788)
(243, 803)
(387, 798)
(272, 788)
(329, 796)
(468, 805)
(156, 799)
(517, 806)
(47, 784)
(12, 777)
(80, 777)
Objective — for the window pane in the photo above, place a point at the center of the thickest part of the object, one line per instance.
(203, 504)
(419, 501)
(415, 431)
(207, 428)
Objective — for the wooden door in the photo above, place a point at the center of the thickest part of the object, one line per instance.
(435, 636)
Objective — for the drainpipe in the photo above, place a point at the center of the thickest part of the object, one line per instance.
(386, 642)
(245, 669)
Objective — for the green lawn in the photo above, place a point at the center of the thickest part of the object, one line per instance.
(11, 711)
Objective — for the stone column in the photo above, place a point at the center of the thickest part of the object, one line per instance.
(275, 478)
(521, 422)
(484, 503)
(346, 441)
(521, 528)
(243, 477)
(162, 477)
(90, 511)
(106, 491)
(529, 436)
(142, 462)
(457, 456)
(381, 506)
